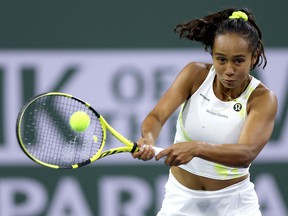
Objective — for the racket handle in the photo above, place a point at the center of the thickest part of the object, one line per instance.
(157, 150)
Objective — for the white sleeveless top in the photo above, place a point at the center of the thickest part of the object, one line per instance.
(205, 118)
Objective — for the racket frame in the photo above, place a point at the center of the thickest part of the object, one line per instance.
(129, 145)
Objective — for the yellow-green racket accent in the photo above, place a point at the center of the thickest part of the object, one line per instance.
(129, 145)
(45, 136)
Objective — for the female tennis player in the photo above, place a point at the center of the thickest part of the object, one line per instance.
(227, 117)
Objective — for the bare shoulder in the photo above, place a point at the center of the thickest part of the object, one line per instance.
(196, 72)
(198, 68)
(263, 99)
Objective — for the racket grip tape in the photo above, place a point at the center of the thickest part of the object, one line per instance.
(157, 150)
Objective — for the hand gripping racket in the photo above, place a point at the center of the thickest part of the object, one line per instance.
(45, 135)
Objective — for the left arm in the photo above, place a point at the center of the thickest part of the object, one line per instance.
(257, 130)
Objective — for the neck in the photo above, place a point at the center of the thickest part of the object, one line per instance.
(228, 94)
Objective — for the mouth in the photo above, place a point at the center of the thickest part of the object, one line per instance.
(229, 81)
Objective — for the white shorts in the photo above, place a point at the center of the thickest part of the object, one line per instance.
(236, 200)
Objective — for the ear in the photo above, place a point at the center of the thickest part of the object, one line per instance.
(254, 58)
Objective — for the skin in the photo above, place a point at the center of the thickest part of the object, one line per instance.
(232, 60)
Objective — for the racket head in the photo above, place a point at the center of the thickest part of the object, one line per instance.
(45, 135)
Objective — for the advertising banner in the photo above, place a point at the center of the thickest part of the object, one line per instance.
(123, 86)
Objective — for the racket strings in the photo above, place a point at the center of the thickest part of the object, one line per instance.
(48, 137)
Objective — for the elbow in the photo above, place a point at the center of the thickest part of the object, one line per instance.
(245, 164)
(247, 158)
(157, 118)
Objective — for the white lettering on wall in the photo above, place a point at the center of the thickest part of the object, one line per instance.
(33, 193)
(110, 190)
(269, 195)
(69, 199)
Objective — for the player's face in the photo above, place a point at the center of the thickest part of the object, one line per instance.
(232, 59)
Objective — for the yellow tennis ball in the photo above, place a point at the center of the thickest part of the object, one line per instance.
(79, 121)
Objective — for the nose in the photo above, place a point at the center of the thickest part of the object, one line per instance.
(229, 70)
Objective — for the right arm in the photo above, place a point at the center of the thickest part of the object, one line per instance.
(185, 84)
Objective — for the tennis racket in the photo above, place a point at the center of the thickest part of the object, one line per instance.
(45, 135)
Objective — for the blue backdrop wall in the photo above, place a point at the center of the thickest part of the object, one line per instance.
(120, 56)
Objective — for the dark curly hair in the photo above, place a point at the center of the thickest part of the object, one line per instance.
(205, 29)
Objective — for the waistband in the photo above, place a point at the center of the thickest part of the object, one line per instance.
(238, 187)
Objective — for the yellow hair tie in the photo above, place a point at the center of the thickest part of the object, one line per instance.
(239, 15)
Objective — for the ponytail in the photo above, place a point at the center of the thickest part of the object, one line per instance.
(205, 29)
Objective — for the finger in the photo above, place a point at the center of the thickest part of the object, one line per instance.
(148, 153)
(138, 152)
(170, 161)
(151, 152)
(162, 155)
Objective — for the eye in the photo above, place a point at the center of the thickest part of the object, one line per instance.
(221, 60)
(239, 60)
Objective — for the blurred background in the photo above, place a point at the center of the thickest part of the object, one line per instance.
(120, 56)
